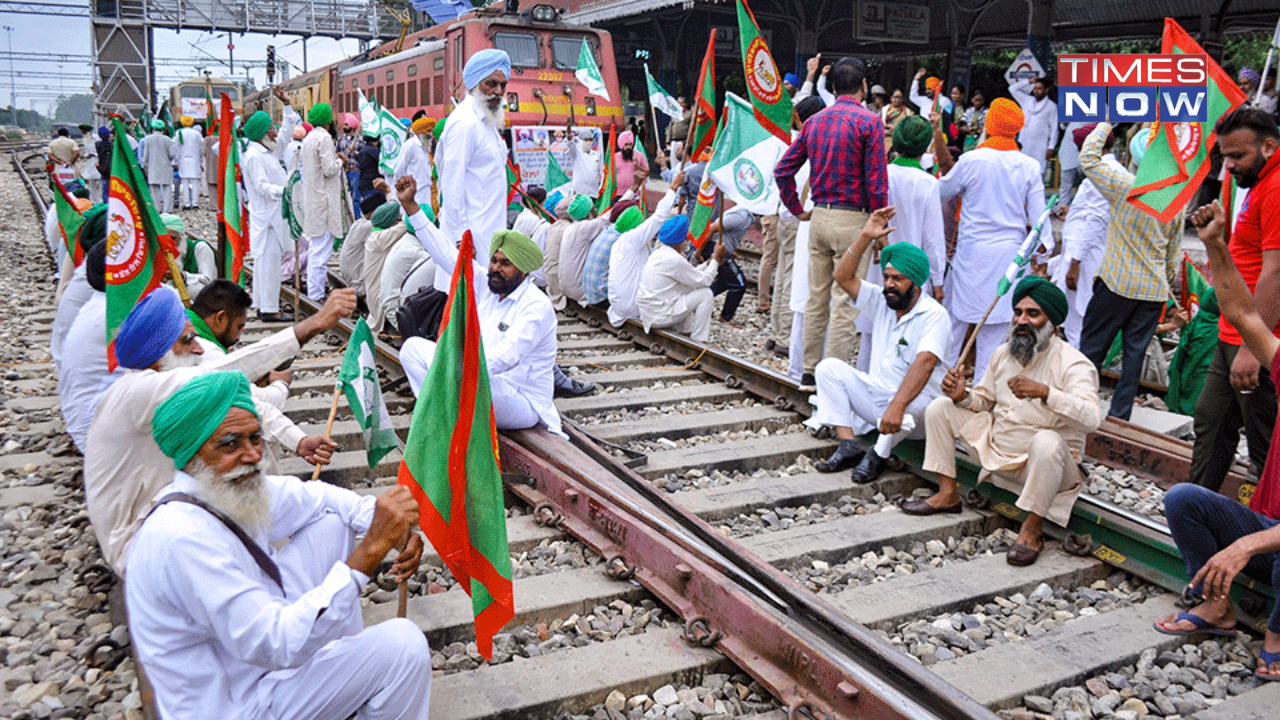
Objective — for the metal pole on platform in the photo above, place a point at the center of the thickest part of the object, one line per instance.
(13, 88)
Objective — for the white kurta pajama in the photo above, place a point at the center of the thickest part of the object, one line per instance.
(158, 157)
(471, 158)
(518, 333)
(918, 221)
(323, 175)
(1002, 196)
(1084, 238)
(218, 638)
(123, 467)
(74, 296)
(269, 237)
(848, 397)
(587, 171)
(89, 166)
(415, 162)
(677, 295)
(627, 259)
(1040, 123)
(190, 148)
(403, 258)
(1027, 446)
(84, 377)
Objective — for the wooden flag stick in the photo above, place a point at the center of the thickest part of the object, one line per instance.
(402, 608)
(973, 336)
(175, 273)
(328, 428)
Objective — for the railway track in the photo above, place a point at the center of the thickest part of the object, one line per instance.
(680, 552)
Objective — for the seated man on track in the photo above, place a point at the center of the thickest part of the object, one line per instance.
(123, 468)
(1025, 423)
(517, 322)
(1217, 536)
(673, 293)
(227, 625)
(909, 334)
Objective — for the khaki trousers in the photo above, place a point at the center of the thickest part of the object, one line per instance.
(781, 315)
(768, 260)
(1047, 485)
(830, 234)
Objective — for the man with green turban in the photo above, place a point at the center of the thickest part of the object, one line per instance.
(324, 214)
(914, 192)
(905, 335)
(1025, 422)
(229, 624)
(264, 184)
(159, 156)
(517, 322)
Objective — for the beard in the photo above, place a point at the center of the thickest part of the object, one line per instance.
(491, 109)
(269, 143)
(1248, 178)
(627, 153)
(502, 285)
(1025, 341)
(240, 494)
(897, 300)
(172, 361)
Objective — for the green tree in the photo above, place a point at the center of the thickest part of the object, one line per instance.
(75, 109)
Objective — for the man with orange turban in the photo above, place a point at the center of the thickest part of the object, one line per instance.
(415, 158)
(1003, 193)
(934, 100)
(1040, 130)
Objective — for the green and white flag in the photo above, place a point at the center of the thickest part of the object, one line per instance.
(744, 158)
(359, 381)
(588, 73)
(557, 178)
(660, 99)
(1018, 267)
(379, 120)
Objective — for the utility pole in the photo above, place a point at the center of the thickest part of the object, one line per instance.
(13, 88)
(231, 55)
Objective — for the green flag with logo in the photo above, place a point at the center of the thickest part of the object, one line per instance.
(588, 73)
(745, 157)
(764, 84)
(358, 378)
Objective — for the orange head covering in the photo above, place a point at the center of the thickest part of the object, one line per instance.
(932, 84)
(1004, 122)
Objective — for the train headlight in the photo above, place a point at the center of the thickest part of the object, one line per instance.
(513, 102)
(591, 105)
(543, 13)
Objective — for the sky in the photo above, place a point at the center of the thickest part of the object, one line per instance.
(40, 80)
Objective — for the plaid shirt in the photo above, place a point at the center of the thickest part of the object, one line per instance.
(844, 146)
(1142, 253)
(595, 273)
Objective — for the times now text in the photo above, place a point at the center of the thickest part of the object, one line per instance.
(1133, 88)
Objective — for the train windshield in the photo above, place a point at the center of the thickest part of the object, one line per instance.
(566, 49)
(522, 47)
(215, 91)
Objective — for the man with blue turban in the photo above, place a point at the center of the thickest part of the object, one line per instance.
(1025, 422)
(906, 333)
(471, 157)
(674, 294)
(123, 467)
(230, 623)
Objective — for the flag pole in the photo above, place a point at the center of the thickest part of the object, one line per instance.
(176, 274)
(328, 428)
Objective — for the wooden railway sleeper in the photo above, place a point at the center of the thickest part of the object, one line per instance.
(697, 631)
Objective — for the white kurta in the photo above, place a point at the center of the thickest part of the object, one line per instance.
(123, 466)
(666, 281)
(89, 158)
(158, 157)
(322, 178)
(916, 196)
(53, 235)
(220, 639)
(534, 226)
(518, 331)
(574, 247)
(627, 260)
(472, 161)
(925, 103)
(190, 149)
(1002, 195)
(73, 298)
(415, 161)
(269, 236)
(84, 376)
(404, 256)
(1040, 124)
(1084, 238)
(587, 171)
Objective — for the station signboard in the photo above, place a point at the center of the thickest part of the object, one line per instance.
(891, 21)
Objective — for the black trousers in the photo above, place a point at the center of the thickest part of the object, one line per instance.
(1220, 413)
(729, 278)
(1136, 320)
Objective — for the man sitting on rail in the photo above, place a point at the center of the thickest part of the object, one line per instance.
(1025, 423)
(123, 467)
(517, 322)
(1217, 536)
(630, 251)
(673, 293)
(227, 625)
(909, 334)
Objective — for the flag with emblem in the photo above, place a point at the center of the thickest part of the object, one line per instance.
(1177, 160)
(702, 131)
(232, 213)
(358, 378)
(70, 219)
(772, 104)
(745, 157)
(609, 187)
(1018, 267)
(660, 99)
(451, 461)
(704, 209)
(588, 73)
(210, 114)
(387, 127)
(136, 238)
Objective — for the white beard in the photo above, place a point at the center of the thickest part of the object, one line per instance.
(172, 361)
(496, 119)
(247, 502)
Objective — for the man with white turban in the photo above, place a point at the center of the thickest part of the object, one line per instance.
(471, 157)
(229, 623)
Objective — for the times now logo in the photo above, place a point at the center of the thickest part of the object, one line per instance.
(1133, 88)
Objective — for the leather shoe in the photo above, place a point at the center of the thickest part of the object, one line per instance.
(846, 456)
(1021, 555)
(922, 508)
(807, 381)
(869, 469)
(567, 387)
(274, 317)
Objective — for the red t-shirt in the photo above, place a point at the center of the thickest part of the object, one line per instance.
(1266, 498)
(1256, 229)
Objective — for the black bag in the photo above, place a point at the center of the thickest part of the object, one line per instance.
(420, 314)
